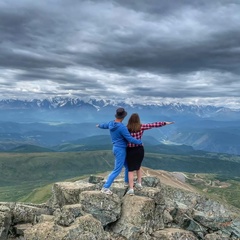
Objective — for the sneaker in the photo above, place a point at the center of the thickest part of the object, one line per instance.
(106, 191)
(126, 184)
(130, 192)
(138, 186)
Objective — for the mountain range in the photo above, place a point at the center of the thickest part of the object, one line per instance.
(50, 123)
(103, 106)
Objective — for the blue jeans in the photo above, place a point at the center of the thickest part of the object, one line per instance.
(120, 161)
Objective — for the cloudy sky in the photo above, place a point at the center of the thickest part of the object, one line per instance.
(185, 51)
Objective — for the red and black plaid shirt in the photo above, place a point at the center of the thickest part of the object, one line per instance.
(138, 135)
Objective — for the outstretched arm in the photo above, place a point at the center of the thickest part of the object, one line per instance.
(103, 125)
(154, 125)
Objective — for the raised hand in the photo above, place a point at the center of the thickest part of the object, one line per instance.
(167, 123)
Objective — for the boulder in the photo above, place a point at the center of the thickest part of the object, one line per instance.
(119, 188)
(67, 214)
(5, 221)
(216, 236)
(155, 193)
(105, 208)
(65, 193)
(137, 217)
(84, 228)
(151, 181)
(19, 229)
(24, 213)
(173, 234)
(95, 179)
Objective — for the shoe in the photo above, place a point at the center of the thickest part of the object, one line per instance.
(130, 192)
(106, 191)
(138, 186)
(126, 184)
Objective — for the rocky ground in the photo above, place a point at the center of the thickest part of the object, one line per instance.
(166, 208)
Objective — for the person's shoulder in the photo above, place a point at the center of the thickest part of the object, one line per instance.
(122, 126)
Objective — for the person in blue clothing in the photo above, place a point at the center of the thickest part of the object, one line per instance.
(120, 138)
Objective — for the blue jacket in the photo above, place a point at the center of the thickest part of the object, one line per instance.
(119, 134)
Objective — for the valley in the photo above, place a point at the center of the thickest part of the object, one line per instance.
(50, 140)
(29, 176)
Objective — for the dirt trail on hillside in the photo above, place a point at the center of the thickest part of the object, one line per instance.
(173, 179)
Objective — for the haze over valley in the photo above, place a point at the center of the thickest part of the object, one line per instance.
(57, 122)
(41, 139)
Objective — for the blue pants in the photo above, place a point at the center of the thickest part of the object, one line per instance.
(120, 161)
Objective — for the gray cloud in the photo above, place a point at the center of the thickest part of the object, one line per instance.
(187, 51)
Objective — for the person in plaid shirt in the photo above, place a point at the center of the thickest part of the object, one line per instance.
(135, 152)
(120, 138)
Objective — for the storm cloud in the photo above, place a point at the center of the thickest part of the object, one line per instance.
(143, 51)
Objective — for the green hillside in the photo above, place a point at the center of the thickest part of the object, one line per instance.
(42, 194)
(217, 186)
(29, 148)
(194, 163)
(22, 174)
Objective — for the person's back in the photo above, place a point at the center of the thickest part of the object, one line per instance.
(120, 138)
(135, 152)
(119, 133)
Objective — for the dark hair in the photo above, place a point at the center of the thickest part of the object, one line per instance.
(120, 113)
(134, 124)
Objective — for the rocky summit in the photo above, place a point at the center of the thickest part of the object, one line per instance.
(163, 209)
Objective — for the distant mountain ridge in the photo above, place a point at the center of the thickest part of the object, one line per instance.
(50, 122)
(98, 105)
